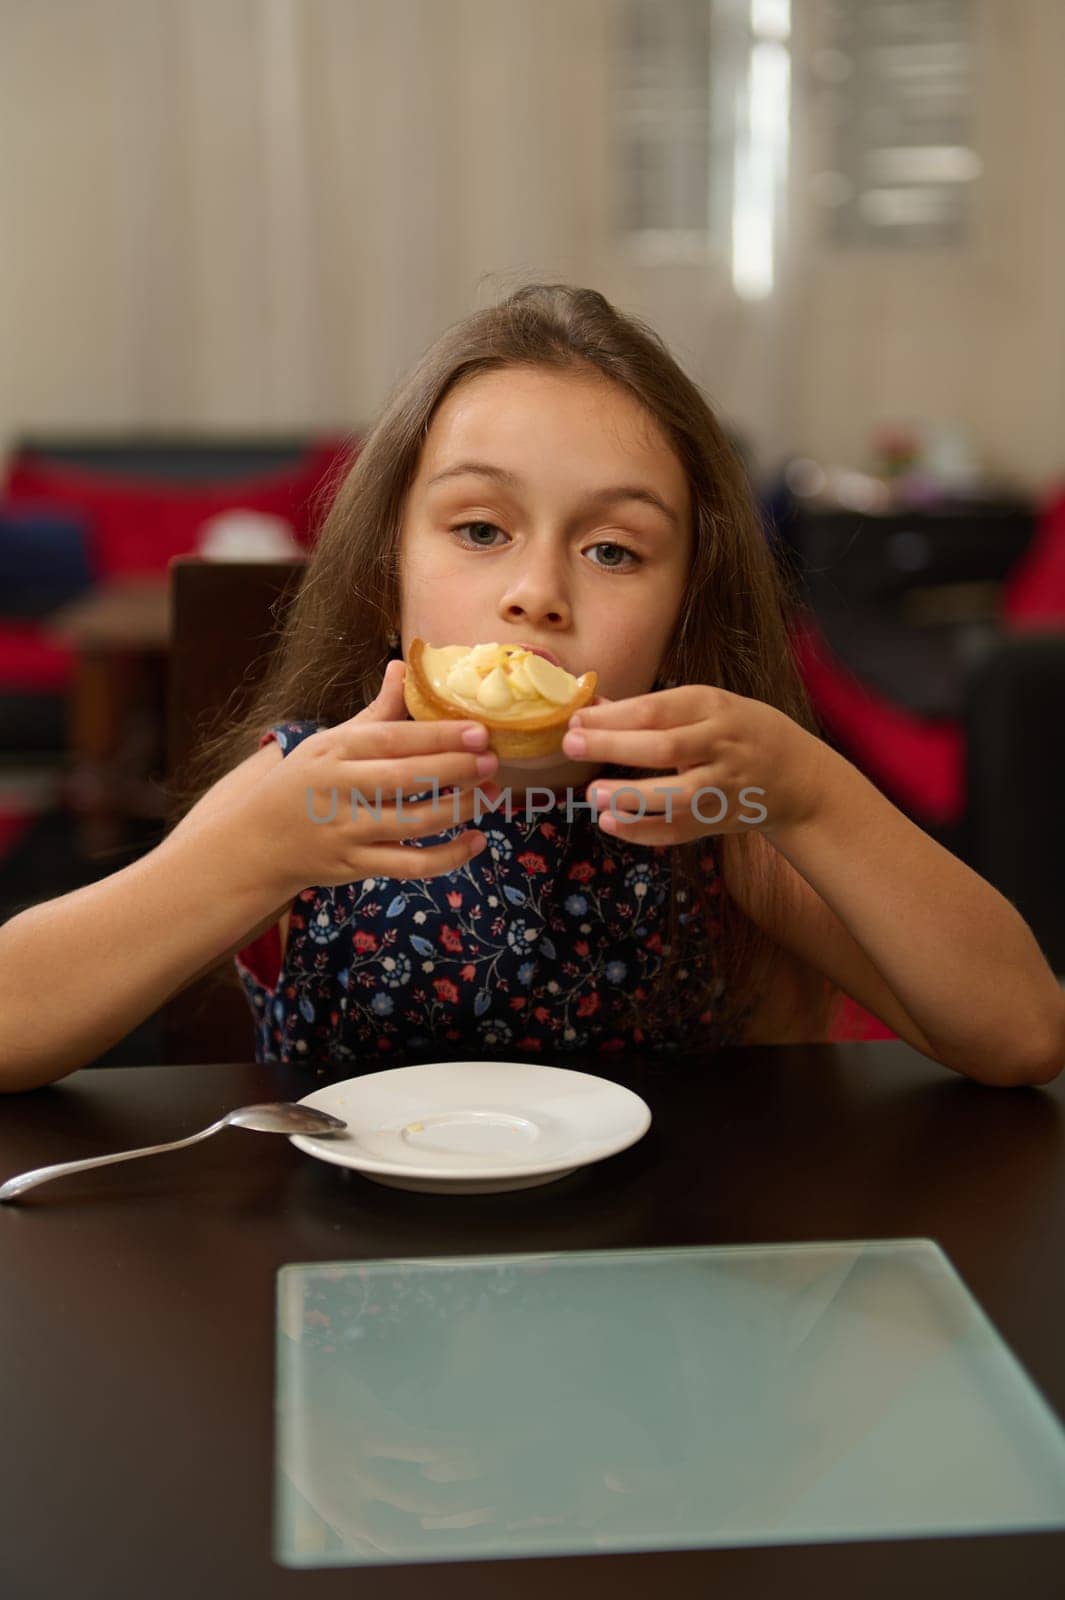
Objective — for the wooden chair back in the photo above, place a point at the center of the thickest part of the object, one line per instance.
(225, 620)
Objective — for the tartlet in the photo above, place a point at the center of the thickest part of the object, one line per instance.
(524, 700)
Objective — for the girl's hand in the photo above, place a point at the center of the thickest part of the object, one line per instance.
(375, 753)
(697, 738)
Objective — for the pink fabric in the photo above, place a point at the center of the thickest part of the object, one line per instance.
(1033, 596)
(13, 825)
(263, 957)
(28, 661)
(855, 1022)
(921, 762)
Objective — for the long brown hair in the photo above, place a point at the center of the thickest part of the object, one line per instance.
(732, 631)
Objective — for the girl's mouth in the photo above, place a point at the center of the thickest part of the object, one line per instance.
(538, 650)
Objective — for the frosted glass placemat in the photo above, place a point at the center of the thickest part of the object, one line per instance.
(562, 1404)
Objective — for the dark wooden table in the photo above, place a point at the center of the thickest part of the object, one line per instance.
(137, 1322)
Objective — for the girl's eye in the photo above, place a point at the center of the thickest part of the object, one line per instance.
(619, 549)
(611, 565)
(463, 526)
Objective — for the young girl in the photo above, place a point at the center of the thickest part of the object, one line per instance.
(547, 476)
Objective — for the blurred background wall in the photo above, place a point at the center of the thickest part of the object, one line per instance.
(974, 331)
(255, 214)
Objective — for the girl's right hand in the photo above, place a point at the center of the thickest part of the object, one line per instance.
(375, 752)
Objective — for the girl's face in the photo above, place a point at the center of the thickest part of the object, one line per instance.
(550, 547)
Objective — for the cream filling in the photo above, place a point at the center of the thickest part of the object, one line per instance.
(507, 681)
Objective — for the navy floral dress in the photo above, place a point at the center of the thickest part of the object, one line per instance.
(532, 948)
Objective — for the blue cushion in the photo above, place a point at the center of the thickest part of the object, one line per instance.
(44, 560)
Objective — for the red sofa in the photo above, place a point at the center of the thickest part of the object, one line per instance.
(920, 762)
(135, 526)
(139, 525)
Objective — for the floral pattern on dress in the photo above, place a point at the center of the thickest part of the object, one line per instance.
(533, 946)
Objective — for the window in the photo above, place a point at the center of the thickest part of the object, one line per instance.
(663, 122)
(701, 113)
(897, 84)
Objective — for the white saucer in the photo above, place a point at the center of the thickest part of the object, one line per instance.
(475, 1127)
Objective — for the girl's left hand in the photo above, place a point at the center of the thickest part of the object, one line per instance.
(696, 737)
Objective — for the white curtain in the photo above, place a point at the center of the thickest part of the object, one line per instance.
(254, 214)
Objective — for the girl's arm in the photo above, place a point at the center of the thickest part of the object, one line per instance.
(878, 907)
(916, 936)
(79, 972)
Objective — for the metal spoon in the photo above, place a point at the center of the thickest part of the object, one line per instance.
(281, 1117)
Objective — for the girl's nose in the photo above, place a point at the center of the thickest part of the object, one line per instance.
(537, 597)
(535, 616)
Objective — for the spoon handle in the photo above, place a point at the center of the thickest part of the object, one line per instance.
(29, 1180)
